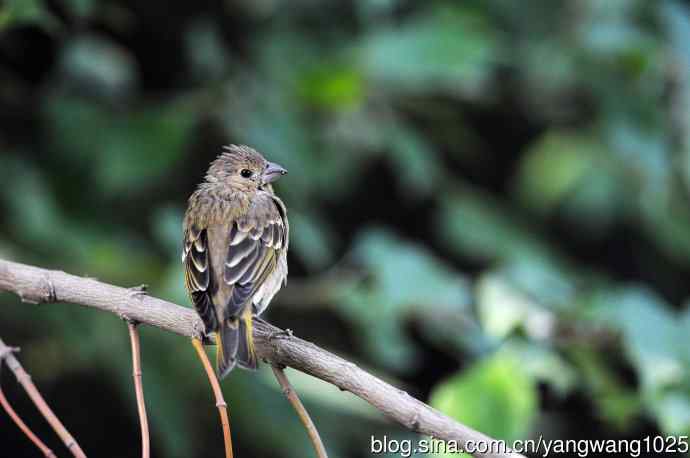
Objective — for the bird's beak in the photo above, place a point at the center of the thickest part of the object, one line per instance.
(273, 172)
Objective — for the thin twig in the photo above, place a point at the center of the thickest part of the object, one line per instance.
(304, 417)
(218, 393)
(47, 452)
(36, 285)
(139, 389)
(25, 380)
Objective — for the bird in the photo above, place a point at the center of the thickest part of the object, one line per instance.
(236, 237)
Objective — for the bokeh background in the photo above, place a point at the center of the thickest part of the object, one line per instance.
(489, 204)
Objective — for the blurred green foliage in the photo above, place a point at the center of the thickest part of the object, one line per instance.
(488, 201)
(497, 384)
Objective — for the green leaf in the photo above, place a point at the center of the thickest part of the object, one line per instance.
(658, 355)
(495, 396)
(449, 49)
(81, 8)
(166, 222)
(616, 402)
(389, 259)
(333, 88)
(415, 160)
(18, 12)
(545, 364)
(98, 66)
(206, 51)
(125, 151)
(479, 227)
(501, 308)
(673, 412)
(384, 299)
(555, 167)
(312, 239)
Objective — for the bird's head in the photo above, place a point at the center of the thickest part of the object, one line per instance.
(243, 169)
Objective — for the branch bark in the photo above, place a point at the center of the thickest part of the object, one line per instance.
(302, 413)
(47, 452)
(24, 380)
(218, 394)
(139, 389)
(36, 285)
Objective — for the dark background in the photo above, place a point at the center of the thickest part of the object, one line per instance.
(488, 202)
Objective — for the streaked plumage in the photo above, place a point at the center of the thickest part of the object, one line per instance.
(236, 237)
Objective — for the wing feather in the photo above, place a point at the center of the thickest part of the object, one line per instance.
(240, 251)
(234, 273)
(197, 274)
(255, 244)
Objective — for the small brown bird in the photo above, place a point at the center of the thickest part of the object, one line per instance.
(235, 250)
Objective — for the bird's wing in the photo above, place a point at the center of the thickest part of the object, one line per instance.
(278, 278)
(256, 241)
(197, 274)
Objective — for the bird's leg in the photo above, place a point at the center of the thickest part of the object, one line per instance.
(203, 334)
(206, 337)
(258, 319)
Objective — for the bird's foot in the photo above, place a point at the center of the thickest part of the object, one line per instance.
(200, 332)
(138, 291)
(282, 334)
(206, 338)
(258, 319)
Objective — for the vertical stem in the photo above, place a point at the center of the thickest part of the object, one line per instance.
(48, 453)
(25, 380)
(304, 417)
(218, 393)
(139, 389)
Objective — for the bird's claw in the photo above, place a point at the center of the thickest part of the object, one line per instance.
(286, 334)
(206, 337)
(258, 319)
(200, 332)
(137, 291)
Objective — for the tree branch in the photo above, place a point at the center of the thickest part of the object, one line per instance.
(304, 417)
(47, 452)
(37, 285)
(139, 389)
(218, 393)
(24, 380)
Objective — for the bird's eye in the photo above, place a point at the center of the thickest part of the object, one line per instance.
(246, 173)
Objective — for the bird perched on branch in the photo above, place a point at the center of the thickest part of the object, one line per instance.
(235, 250)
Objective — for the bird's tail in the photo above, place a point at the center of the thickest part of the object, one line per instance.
(226, 355)
(236, 344)
(246, 356)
